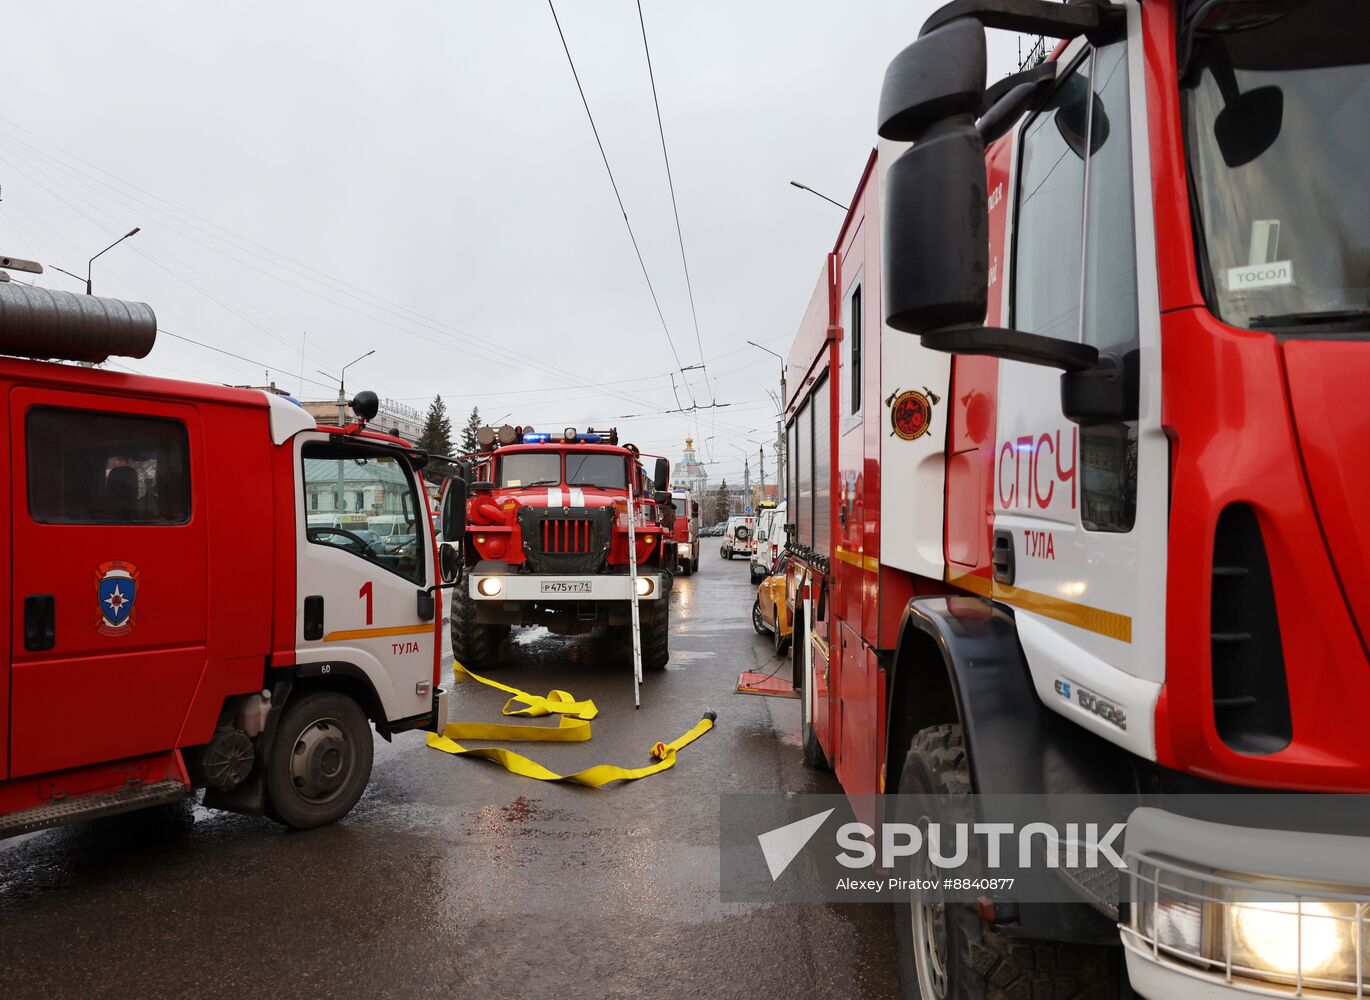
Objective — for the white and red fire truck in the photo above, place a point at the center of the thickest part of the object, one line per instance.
(685, 530)
(175, 620)
(546, 542)
(1075, 457)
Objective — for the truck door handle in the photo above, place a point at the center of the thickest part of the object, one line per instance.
(313, 617)
(40, 622)
(1002, 557)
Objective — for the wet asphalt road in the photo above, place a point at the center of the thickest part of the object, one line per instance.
(453, 878)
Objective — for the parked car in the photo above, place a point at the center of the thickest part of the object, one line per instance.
(769, 616)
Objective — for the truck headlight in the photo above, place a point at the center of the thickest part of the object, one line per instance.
(645, 586)
(1284, 936)
(490, 586)
(1232, 924)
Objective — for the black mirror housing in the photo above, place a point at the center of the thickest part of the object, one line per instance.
(1249, 124)
(940, 76)
(454, 511)
(936, 231)
(661, 476)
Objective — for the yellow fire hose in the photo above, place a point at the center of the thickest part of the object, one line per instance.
(574, 727)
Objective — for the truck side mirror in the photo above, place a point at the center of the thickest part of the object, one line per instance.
(661, 477)
(454, 510)
(661, 498)
(940, 76)
(694, 508)
(936, 214)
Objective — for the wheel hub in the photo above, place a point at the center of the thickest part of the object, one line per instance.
(321, 761)
(930, 935)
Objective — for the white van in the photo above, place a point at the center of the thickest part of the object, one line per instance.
(770, 542)
(737, 536)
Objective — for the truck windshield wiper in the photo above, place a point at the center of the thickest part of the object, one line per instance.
(1328, 317)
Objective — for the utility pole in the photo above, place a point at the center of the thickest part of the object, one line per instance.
(761, 467)
(746, 483)
(781, 449)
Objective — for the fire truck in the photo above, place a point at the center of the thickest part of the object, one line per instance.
(547, 542)
(176, 621)
(685, 530)
(1075, 447)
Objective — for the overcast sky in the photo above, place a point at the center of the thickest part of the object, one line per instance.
(420, 178)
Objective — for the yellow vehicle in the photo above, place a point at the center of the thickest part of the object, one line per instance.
(768, 612)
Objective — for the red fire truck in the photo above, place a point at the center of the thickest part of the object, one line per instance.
(175, 619)
(1074, 444)
(546, 542)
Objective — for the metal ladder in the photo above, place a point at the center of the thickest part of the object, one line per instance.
(632, 592)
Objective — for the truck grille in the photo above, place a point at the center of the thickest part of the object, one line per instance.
(569, 535)
(557, 540)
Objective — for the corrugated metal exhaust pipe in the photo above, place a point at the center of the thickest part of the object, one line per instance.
(44, 323)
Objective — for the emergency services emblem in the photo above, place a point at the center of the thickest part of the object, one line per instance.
(116, 585)
(911, 412)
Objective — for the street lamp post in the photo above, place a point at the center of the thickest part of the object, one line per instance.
(342, 417)
(805, 187)
(121, 239)
(781, 463)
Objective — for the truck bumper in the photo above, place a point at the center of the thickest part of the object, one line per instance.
(1203, 923)
(546, 589)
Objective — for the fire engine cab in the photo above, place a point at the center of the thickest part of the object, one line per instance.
(175, 620)
(547, 542)
(1075, 450)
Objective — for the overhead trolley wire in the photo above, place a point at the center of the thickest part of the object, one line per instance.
(619, 197)
(675, 210)
(333, 285)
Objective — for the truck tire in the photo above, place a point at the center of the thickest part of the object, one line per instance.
(320, 760)
(474, 646)
(694, 564)
(725, 552)
(685, 568)
(975, 962)
(656, 627)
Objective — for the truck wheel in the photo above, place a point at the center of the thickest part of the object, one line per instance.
(320, 760)
(685, 568)
(656, 627)
(474, 646)
(694, 565)
(944, 951)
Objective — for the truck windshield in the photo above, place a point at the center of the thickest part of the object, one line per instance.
(601, 469)
(1275, 116)
(530, 468)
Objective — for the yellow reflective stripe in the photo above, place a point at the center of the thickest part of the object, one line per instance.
(574, 726)
(379, 633)
(869, 563)
(1096, 620)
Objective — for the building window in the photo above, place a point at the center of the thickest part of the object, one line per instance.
(92, 467)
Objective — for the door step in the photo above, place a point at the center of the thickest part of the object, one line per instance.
(80, 808)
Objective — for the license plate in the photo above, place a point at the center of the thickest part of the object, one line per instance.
(565, 586)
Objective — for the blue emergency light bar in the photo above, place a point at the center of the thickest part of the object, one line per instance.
(542, 438)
